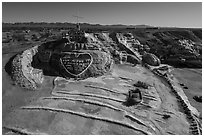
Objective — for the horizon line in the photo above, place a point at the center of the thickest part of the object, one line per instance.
(103, 24)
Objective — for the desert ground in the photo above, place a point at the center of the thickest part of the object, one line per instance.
(121, 79)
(100, 105)
(192, 79)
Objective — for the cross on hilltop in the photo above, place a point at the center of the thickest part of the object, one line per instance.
(78, 17)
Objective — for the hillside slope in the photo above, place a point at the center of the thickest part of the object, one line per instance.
(173, 46)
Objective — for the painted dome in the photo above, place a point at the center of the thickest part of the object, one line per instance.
(70, 57)
(74, 57)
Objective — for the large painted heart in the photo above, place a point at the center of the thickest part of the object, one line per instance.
(76, 63)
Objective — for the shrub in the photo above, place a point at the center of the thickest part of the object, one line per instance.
(165, 116)
(141, 84)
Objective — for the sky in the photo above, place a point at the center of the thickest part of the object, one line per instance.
(161, 14)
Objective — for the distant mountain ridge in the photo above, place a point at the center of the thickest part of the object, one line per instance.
(70, 25)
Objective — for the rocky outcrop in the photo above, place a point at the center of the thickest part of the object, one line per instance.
(151, 59)
(22, 71)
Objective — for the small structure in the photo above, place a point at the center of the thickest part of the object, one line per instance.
(134, 97)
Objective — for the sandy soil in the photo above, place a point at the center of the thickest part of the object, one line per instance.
(36, 112)
(192, 78)
(13, 96)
